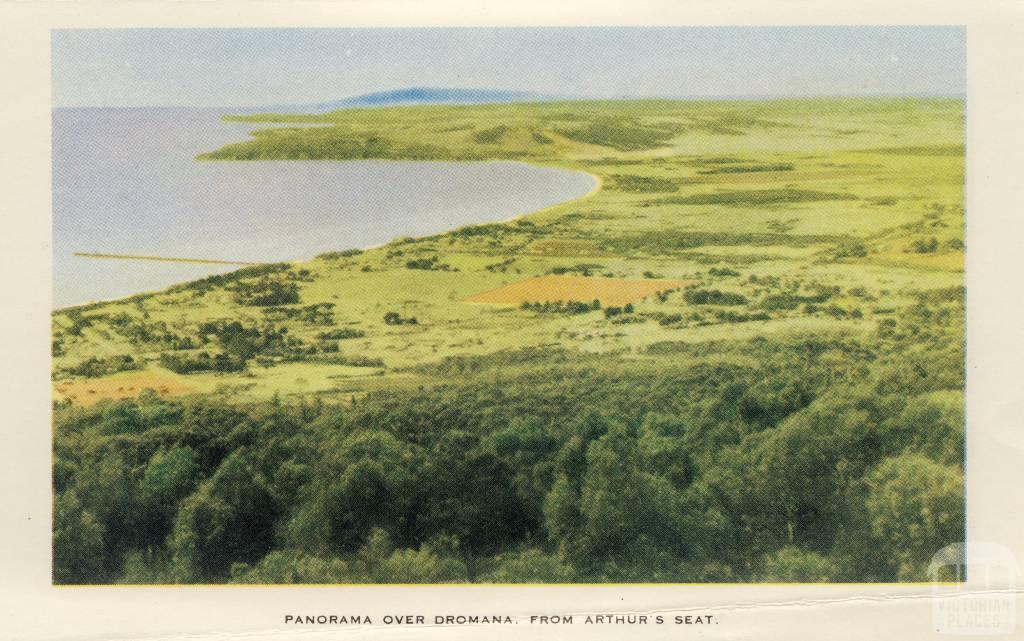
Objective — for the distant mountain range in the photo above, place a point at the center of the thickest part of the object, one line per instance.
(460, 96)
(417, 96)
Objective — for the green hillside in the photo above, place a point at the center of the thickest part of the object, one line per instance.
(786, 404)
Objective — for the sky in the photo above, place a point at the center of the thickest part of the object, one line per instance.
(252, 67)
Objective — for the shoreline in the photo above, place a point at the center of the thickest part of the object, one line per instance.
(596, 188)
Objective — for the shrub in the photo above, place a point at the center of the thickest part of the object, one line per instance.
(622, 135)
(755, 197)
(723, 271)
(610, 312)
(924, 246)
(789, 301)
(202, 362)
(713, 297)
(794, 565)
(93, 367)
(850, 249)
(729, 316)
(747, 169)
(584, 269)
(394, 318)
(642, 184)
(266, 292)
(427, 264)
(348, 253)
(218, 280)
(559, 307)
(341, 334)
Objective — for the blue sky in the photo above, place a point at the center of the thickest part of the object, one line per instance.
(249, 67)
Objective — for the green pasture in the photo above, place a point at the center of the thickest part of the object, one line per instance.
(756, 198)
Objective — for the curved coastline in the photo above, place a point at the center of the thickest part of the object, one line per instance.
(146, 292)
(127, 183)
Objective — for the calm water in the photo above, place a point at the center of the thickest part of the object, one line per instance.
(126, 182)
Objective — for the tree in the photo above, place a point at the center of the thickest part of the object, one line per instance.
(230, 518)
(528, 447)
(791, 564)
(529, 566)
(931, 424)
(915, 507)
(293, 566)
(664, 452)
(122, 417)
(78, 554)
(379, 562)
(107, 490)
(367, 482)
(169, 477)
(796, 474)
(469, 494)
(625, 507)
(615, 517)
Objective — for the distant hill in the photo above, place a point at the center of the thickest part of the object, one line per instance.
(420, 96)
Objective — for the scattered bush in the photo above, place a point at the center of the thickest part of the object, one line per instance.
(723, 271)
(924, 246)
(729, 316)
(347, 253)
(754, 197)
(713, 297)
(559, 307)
(583, 269)
(748, 169)
(430, 264)
(266, 292)
(622, 135)
(788, 300)
(611, 312)
(93, 367)
(318, 314)
(220, 280)
(394, 318)
(500, 470)
(341, 334)
(201, 362)
(642, 184)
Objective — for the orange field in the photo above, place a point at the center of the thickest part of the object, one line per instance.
(610, 291)
(90, 391)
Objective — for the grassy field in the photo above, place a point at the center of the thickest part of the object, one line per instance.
(740, 358)
(859, 198)
(605, 291)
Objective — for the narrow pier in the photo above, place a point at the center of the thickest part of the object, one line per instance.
(166, 259)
